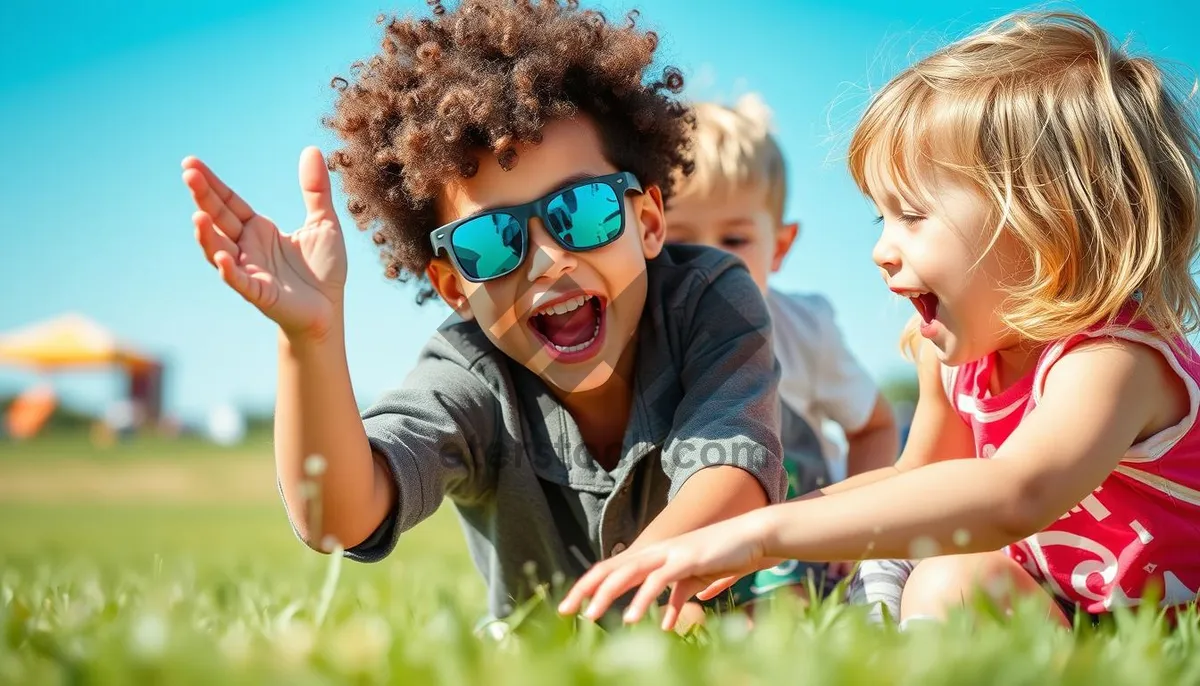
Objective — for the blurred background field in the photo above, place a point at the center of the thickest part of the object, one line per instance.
(65, 499)
(171, 561)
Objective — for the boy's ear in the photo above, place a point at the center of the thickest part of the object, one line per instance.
(784, 237)
(651, 221)
(449, 286)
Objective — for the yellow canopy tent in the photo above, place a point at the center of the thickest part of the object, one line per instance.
(72, 342)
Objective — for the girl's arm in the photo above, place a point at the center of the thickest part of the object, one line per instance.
(937, 432)
(1099, 399)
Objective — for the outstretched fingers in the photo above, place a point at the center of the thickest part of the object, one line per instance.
(211, 239)
(652, 586)
(223, 254)
(315, 187)
(681, 593)
(604, 583)
(211, 195)
(620, 581)
(716, 588)
(254, 290)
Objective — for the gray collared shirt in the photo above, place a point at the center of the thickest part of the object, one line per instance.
(473, 425)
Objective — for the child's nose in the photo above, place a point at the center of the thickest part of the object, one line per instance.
(886, 256)
(547, 258)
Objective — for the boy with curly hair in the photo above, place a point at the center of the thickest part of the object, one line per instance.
(595, 390)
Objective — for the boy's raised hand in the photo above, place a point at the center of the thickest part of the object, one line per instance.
(297, 279)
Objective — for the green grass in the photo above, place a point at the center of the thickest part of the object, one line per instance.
(184, 590)
(75, 443)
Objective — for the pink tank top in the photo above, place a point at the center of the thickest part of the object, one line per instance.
(1141, 527)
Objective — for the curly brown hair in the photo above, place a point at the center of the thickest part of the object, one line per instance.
(486, 76)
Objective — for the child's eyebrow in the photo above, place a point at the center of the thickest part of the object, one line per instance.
(875, 195)
(737, 223)
(885, 199)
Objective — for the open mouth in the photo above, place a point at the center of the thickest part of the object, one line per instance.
(926, 304)
(569, 326)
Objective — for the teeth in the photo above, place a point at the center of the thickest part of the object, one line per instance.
(567, 306)
(581, 346)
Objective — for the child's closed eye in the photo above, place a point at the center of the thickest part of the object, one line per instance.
(906, 218)
(734, 241)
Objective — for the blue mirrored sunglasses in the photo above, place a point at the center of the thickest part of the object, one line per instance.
(585, 215)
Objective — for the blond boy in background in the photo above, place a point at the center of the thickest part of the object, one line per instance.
(735, 201)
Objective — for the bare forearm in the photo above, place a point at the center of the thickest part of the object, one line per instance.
(877, 443)
(870, 450)
(958, 506)
(711, 495)
(316, 415)
(852, 482)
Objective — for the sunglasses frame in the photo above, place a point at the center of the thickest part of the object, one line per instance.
(620, 182)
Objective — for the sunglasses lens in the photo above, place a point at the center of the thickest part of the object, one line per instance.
(489, 246)
(586, 216)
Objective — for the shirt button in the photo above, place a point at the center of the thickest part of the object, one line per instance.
(616, 549)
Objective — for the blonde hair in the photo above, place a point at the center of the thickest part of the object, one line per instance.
(734, 149)
(1088, 155)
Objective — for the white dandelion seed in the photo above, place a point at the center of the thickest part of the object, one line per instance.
(330, 543)
(361, 643)
(148, 636)
(923, 547)
(496, 630)
(632, 651)
(235, 645)
(294, 643)
(996, 587)
(734, 628)
(314, 465)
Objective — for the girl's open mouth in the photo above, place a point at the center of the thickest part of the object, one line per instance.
(927, 306)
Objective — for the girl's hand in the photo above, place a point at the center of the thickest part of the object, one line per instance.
(297, 279)
(702, 563)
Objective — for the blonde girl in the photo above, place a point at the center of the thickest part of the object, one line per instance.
(1036, 189)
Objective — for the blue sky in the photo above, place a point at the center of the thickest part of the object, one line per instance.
(99, 101)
